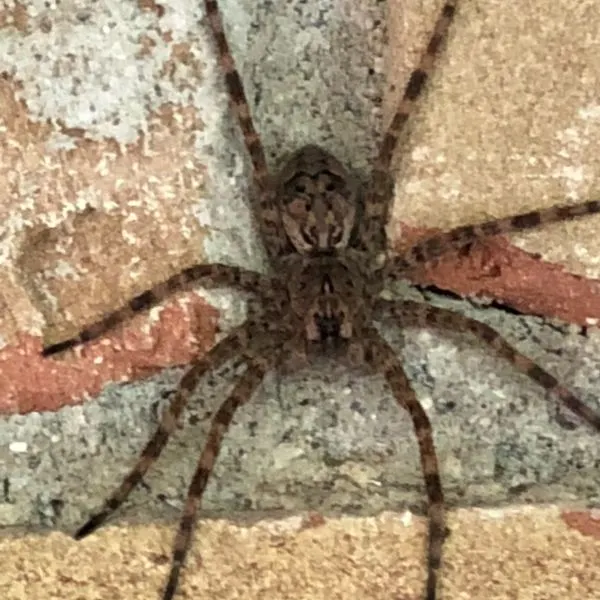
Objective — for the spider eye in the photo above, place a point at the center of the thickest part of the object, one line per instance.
(300, 188)
(330, 187)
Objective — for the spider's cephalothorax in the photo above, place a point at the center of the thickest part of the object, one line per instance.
(324, 240)
(319, 201)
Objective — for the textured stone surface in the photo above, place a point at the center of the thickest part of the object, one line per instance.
(116, 163)
(526, 553)
(126, 168)
(332, 440)
(106, 158)
(326, 439)
(510, 122)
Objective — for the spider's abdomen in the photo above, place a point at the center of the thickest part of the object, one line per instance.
(325, 294)
(319, 201)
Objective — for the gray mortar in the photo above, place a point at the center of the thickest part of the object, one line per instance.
(329, 439)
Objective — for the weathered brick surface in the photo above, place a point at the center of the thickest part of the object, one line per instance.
(112, 178)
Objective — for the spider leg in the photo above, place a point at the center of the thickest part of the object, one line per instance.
(426, 314)
(381, 358)
(437, 245)
(234, 343)
(379, 195)
(268, 215)
(245, 387)
(214, 275)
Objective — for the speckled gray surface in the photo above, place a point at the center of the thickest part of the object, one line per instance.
(329, 440)
(326, 440)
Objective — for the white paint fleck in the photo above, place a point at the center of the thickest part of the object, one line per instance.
(426, 402)
(18, 447)
(573, 174)
(421, 153)
(129, 237)
(492, 513)
(64, 270)
(485, 422)
(154, 314)
(407, 518)
(590, 113)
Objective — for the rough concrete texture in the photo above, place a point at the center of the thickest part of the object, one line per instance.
(525, 553)
(331, 439)
(326, 439)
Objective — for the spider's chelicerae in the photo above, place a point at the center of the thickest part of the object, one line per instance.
(325, 238)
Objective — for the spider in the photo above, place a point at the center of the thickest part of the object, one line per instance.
(325, 238)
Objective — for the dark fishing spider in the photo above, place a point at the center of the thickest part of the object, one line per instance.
(325, 238)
